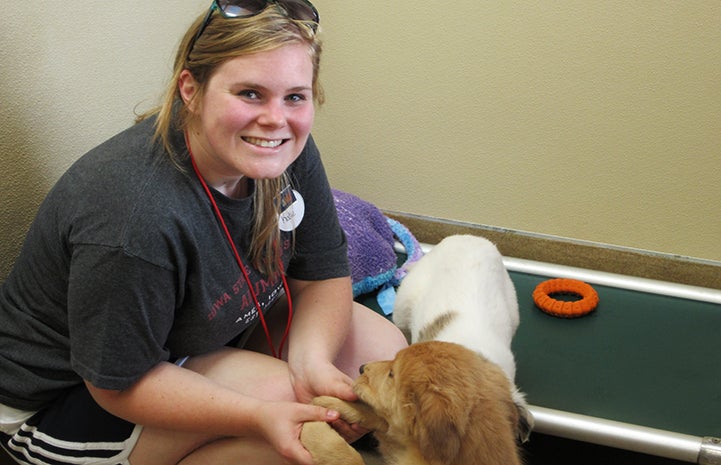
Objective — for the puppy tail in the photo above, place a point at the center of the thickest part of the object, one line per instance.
(525, 421)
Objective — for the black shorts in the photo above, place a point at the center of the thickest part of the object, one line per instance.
(73, 430)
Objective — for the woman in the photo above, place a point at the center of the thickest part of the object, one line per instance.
(136, 297)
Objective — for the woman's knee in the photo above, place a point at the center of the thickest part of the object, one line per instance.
(372, 337)
(382, 331)
(247, 372)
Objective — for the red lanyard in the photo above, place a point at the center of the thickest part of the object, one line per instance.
(278, 354)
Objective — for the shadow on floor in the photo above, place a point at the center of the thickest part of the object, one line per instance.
(540, 450)
(550, 450)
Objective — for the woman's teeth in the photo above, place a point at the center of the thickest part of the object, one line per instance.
(263, 142)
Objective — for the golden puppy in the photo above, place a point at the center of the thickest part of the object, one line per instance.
(435, 403)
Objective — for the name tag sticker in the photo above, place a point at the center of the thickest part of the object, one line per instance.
(292, 209)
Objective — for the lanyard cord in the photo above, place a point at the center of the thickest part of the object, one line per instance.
(278, 354)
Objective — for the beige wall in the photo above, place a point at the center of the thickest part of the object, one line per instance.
(70, 77)
(598, 121)
(590, 120)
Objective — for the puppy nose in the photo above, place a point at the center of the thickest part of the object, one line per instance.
(362, 369)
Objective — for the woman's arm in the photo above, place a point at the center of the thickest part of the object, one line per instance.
(175, 398)
(321, 322)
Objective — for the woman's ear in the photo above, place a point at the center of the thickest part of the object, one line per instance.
(187, 86)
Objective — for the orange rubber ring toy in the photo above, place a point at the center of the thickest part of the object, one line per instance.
(544, 301)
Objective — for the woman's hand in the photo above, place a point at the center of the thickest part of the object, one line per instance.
(280, 424)
(325, 379)
(320, 378)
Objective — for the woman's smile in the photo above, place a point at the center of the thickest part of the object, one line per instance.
(266, 143)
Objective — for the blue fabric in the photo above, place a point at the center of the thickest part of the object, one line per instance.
(386, 298)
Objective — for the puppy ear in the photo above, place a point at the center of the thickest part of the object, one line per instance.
(436, 424)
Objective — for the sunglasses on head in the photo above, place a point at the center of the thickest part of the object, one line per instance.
(301, 10)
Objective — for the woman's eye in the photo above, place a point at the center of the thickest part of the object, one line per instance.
(297, 98)
(249, 94)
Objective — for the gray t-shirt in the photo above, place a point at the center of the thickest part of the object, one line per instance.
(126, 266)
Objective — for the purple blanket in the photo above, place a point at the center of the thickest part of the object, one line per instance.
(371, 239)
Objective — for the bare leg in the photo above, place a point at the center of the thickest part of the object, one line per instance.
(234, 451)
(248, 372)
(371, 337)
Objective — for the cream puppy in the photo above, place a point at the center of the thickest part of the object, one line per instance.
(461, 292)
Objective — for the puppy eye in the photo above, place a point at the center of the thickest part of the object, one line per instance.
(390, 373)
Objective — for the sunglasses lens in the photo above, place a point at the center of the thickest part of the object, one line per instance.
(296, 9)
(238, 8)
(299, 9)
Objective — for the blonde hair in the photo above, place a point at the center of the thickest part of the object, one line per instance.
(222, 40)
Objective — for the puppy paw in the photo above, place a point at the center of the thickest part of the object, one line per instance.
(326, 446)
(353, 412)
(348, 410)
(328, 402)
